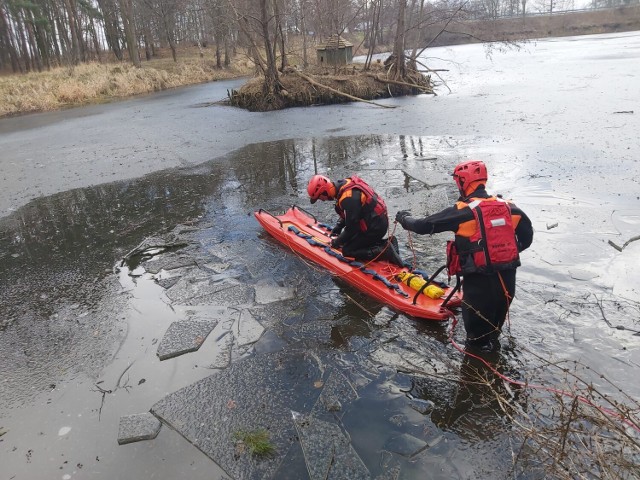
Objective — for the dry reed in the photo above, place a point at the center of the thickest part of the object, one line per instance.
(96, 82)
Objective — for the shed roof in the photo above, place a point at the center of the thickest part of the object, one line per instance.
(335, 42)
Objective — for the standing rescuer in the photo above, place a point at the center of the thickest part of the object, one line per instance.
(489, 235)
(362, 222)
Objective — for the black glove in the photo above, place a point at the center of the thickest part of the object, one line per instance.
(335, 243)
(401, 217)
(337, 229)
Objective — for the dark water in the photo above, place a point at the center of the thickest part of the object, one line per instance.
(74, 314)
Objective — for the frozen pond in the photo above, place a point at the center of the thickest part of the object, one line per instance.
(273, 342)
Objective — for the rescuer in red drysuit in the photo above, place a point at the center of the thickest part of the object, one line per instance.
(362, 222)
(489, 235)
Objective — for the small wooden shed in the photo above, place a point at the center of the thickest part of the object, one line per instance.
(337, 51)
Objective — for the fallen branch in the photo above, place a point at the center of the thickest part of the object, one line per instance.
(617, 327)
(143, 247)
(436, 72)
(104, 391)
(317, 84)
(404, 84)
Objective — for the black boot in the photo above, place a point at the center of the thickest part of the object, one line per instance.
(391, 254)
(394, 242)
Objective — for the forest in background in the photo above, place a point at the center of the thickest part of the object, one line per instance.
(36, 35)
(57, 53)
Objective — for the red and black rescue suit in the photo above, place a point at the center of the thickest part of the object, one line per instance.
(363, 221)
(488, 290)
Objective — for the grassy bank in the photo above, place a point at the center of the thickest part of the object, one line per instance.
(96, 82)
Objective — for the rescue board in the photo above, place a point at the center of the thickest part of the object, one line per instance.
(301, 232)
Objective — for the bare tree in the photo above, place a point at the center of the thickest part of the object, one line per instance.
(8, 50)
(373, 27)
(261, 30)
(111, 26)
(164, 13)
(128, 20)
(399, 68)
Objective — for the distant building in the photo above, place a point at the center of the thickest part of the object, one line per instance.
(337, 51)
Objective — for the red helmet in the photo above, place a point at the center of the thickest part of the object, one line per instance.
(320, 188)
(468, 172)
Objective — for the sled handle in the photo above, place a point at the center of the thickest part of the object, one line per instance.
(304, 211)
(269, 213)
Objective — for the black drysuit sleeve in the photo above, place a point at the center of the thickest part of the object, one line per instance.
(352, 208)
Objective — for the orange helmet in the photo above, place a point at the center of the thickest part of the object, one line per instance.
(468, 172)
(321, 188)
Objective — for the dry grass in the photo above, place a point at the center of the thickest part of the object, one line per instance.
(96, 82)
(576, 431)
(562, 419)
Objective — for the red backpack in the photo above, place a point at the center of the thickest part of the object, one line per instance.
(493, 246)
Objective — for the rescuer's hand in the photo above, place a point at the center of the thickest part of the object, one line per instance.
(401, 217)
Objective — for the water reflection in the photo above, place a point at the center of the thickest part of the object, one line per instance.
(267, 170)
(58, 246)
(417, 147)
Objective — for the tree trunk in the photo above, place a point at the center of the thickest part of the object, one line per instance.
(303, 26)
(33, 44)
(111, 23)
(279, 31)
(373, 32)
(40, 31)
(400, 68)
(130, 31)
(8, 42)
(51, 32)
(77, 31)
(271, 78)
(419, 40)
(169, 31)
(73, 53)
(96, 42)
(24, 51)
(148, 41)
(227, 56)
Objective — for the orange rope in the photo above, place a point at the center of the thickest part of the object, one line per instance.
(558, 391)
(414, 262)
(507, 297)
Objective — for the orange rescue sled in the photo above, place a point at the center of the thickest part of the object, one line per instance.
(301, 232)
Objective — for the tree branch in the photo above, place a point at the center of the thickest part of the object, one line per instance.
(338, 92)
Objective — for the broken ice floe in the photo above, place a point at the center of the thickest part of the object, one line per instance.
(268, 293)
(405, 445)
(247, 329)
(328, 452)
(183, 337)
(336, 392)
(257, 392)
(137, 427)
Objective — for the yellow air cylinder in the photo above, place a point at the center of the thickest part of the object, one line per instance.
(415, 282)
